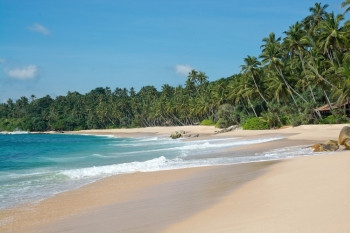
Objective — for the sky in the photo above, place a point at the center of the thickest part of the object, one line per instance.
(55, 46)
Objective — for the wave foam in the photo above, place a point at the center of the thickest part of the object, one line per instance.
(15, 132)
(103, 171)
(162, 163)
(209, 143)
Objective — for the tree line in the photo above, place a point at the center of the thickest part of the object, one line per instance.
(292, 76)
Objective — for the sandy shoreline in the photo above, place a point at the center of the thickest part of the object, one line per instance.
(309, 194)
(274, 196)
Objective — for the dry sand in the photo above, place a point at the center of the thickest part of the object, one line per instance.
(308, 194)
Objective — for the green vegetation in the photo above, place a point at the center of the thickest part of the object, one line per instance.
(309, 67)
(255, 123)
(207, 122)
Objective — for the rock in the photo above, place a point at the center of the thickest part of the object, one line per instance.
(196, 135)
(316, 147)
(347, 144)
(176, 135)
(332, 142)
(344, 137)
(228, 129)
(330, 145)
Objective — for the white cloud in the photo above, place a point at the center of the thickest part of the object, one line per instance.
(183, 69)
(39, 28)
(2, 61)
(23, 73)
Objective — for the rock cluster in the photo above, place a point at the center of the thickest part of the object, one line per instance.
(333, 145)
(228, 129)
(182, 133)
(330, 145)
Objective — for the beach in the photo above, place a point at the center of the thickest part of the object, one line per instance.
(303, 194)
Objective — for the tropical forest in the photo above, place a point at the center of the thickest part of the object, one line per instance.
(300, 77)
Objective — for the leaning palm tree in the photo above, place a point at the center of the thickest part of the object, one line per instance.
(272, 57)
(319, 69)
(242, 90)
(343, 93)
(296, 43)
(251, 67)
(276, 89)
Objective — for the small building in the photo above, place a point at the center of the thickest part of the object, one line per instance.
(326, 111)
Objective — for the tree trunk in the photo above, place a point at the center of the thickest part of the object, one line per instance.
(307, 79)
(251, 105)
(256, 86)
(328, 102)
(286, 83)
(320, 76)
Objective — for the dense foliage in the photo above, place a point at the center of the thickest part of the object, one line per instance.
(255, 123)
(292, 76)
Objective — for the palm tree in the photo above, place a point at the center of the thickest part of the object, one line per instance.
(346, 3)
(242, 89)
(271, 56)
(318, 69)
(276, 88)
(332, 37)
(343, 93)
(318, 13)
(296, 42)
(251, 66)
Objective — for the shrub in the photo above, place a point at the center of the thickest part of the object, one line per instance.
(271, 119)
(221, 123)
(328, 120)
(334, 119)
(255, 123)
(207, 122)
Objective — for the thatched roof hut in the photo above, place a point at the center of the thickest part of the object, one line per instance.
(326, 111)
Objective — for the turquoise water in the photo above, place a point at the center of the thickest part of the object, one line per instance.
(36, 166)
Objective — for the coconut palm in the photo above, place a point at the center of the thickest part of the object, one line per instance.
(346, 4)
(296, 42)
(332, 38)
(251, 66)
(343, 93)
(272, 56)
(318, 13)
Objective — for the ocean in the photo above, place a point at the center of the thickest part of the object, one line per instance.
(37, 166)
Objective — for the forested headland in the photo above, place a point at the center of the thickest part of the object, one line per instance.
(307, 67)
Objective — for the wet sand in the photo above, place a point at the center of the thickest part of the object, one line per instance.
(139, 202)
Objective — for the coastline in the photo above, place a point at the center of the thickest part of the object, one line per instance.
(303, 132)
(141, 191)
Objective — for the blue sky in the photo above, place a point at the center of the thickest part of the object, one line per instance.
(55, 46)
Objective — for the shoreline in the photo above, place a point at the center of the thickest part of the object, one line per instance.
(75, 208)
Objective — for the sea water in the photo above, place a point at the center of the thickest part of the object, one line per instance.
(37, 166)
